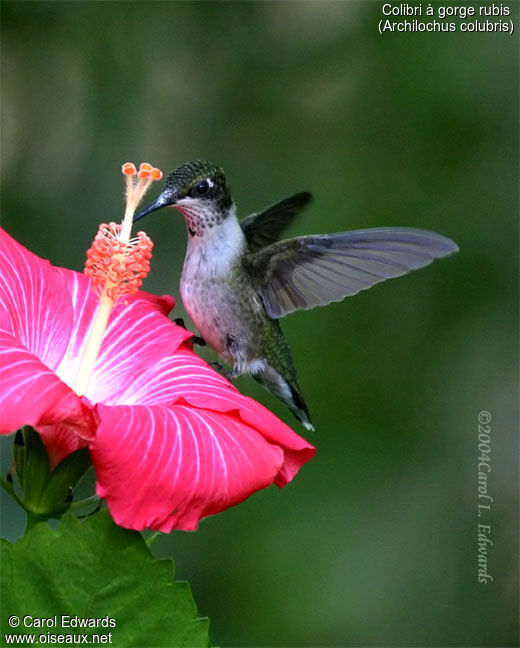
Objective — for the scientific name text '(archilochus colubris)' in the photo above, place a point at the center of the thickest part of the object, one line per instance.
(239, 278)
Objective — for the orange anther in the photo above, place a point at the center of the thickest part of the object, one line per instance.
(156, 174)
(144, 174)
(144, 166)
(128, 168)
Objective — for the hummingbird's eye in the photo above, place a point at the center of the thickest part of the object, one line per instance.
(200, 189)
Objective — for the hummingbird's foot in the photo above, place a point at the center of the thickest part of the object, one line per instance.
(196, 339)
(218, 366)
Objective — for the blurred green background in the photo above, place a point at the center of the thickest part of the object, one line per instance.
(375, 542)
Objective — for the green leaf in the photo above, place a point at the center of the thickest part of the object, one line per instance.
(96, 570)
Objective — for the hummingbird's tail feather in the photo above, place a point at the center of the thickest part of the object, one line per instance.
(299, 409)
(286, 392)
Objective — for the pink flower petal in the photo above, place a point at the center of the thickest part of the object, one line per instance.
(31, 394)
(33, 302)
(166, 468)
(138, 336)
(184, 378)
(51, 310)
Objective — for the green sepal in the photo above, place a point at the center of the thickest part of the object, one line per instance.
(8, 486)
(36, 470)
(19, 454)
(57, 495)
(45, 493)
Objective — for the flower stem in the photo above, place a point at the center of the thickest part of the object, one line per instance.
(31, 521)
(93, 345)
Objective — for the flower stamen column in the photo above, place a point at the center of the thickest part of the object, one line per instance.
(117, 265)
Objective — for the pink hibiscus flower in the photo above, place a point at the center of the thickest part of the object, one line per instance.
(171, 440)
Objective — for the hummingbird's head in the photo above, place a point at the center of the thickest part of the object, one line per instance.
(197, 189)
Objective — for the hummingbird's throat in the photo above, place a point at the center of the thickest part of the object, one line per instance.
(200, 216)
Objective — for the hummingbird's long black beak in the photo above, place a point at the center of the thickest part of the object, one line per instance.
(164, 199)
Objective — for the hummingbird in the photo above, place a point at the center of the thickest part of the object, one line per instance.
(239, 278)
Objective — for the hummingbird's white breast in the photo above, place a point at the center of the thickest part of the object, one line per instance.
(215, 248)
(207, 294)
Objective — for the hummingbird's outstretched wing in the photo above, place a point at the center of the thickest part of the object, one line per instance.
(310, 271)
(263, 228)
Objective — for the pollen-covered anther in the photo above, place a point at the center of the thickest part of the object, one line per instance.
(137, 183)
(117, 268)
(128, 168)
